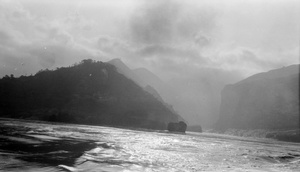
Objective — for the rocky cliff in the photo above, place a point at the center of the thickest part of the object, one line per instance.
(267, 100)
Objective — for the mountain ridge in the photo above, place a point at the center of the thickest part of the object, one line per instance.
(87, 93)
(268, 100)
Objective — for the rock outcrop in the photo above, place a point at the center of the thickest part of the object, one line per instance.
(177, 127)
(267, 100)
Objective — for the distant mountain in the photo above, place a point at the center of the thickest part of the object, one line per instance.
(149, 77)
(87, 93)
(150, 82)
(274, 74)
(126, 71)
(152, 91)
(268, 100)
(195, 98)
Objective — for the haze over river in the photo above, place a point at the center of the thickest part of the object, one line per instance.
(38, 146)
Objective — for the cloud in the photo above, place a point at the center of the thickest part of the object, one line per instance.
(199, 46)
(170, 52)
(113, 46)
(154, 22)
(35, 42)
(202, 40)
(170, 33)
(248, 61)
(163, 22)
(155, 34)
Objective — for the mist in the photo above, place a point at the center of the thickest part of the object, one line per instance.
(195, 47)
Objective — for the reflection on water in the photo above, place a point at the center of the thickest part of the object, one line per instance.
(28, 146)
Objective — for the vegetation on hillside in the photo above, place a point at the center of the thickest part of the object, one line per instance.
(87, 93)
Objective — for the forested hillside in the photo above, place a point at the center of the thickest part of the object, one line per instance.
(88, 93)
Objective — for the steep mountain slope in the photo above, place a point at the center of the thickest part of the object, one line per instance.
(196, 98)
(126, 71)
(267, 100)
(150, 82)
(150, 78)
(89, 93)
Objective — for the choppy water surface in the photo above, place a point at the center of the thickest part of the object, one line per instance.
(30, 146)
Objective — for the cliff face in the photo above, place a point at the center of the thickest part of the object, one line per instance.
(267, 100)
(88, 93)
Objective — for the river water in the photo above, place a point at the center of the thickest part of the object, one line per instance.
(37, 146)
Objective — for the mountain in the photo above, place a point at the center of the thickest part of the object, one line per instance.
(195, 97)
(152, 91)
(268, 100)
(150, 82)
(87, 93)
(126, 71)
(149, 78)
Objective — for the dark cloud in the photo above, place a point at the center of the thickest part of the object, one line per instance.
(202, 41)
(170, 52)
(154, 22)
(166, 21)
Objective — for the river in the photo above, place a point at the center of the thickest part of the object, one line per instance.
(49, 147)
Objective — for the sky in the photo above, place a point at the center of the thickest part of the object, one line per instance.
(209, 41)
